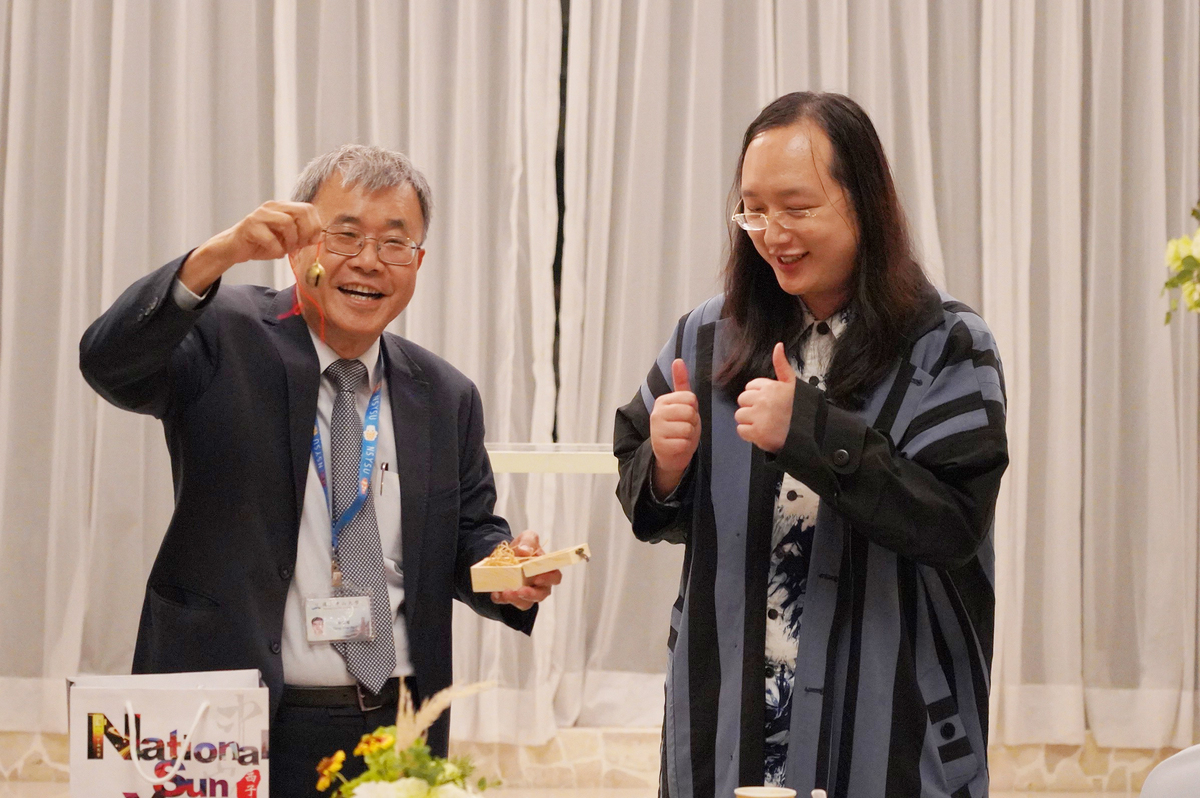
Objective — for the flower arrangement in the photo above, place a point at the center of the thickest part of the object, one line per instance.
(399, 763)
(1183, 259)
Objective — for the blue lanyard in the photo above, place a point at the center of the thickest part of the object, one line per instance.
(366, 463)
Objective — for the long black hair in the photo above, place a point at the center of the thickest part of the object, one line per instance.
(888, 286)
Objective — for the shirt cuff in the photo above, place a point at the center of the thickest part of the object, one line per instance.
(184, 297)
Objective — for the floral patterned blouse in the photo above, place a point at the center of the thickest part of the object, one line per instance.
(791, 543)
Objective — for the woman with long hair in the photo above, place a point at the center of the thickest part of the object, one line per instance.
(826, 438)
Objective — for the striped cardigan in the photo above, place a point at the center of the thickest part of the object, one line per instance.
(892, 671)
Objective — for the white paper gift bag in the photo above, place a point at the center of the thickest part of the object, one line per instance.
(194, 734)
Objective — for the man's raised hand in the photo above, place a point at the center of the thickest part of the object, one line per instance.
(272, 230)
(674, 431)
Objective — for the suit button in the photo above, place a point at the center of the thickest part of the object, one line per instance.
(770, 671)
(772, 613)
(285, 572)
(947, 731)
(276, 648)
(841, 457)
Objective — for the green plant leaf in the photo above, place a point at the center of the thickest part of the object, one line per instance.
(416, 761)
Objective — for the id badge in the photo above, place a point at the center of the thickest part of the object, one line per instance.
(335, 619)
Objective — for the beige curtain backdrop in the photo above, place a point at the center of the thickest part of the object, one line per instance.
(1045, 150)
(135, 129)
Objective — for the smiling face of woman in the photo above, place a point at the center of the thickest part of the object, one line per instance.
(811, 240)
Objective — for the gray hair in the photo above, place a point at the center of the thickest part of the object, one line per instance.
(368, 167)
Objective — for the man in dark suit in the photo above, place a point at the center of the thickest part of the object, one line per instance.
(321, 466)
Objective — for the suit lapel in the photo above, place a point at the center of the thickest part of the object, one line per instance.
(294, 344)
(409, 397)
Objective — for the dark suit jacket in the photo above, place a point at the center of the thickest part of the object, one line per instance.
(235, 384)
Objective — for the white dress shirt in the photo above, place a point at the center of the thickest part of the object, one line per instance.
(310, 664)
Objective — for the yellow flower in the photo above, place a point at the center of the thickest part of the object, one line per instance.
(1177, 249)
(370, 743)
(1194, 250)
(1191, 295)
(328, 767)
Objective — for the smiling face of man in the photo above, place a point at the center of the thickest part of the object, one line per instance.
(360, 295)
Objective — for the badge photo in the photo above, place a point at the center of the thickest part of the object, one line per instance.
(337, 619)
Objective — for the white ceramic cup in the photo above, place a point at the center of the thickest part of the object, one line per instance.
(764, 792)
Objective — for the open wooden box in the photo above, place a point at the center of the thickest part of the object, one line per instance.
(486, 578)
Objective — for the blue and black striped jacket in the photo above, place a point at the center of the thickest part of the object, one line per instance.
(892, 668)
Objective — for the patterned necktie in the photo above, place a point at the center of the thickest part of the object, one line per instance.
(360, 555)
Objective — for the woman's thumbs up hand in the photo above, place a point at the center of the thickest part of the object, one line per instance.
(764, 412)
(674, 431)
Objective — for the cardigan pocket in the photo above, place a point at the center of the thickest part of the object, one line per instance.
(958, 760)
(946, 740)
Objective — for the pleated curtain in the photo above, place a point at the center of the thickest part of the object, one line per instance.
(134, 130)
(1045, 150)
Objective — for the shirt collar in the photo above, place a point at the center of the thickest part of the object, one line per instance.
(326, 356)
(836, 323)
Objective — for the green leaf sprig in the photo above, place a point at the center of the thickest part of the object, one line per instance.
(1183, 262)
(399, 763)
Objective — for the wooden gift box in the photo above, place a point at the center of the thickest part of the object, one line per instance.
(486, 578)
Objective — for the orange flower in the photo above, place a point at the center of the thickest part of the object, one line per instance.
(370, 743)
(328, 768)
